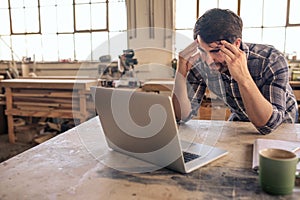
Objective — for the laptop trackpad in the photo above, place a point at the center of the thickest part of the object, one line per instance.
(197, 148)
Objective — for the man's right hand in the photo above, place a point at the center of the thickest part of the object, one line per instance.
(187, 58)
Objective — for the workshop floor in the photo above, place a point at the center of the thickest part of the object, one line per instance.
(8, 150)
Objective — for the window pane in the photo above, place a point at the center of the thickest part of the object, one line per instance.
(229, 4)
(120, 22)
(31, 20)
(274, 13)
(93, 1)
(66, 46)
(275, 37)
(294, 12)
(252, 35)
(5, 51)
(18, 46)
(83, 18)
(30, 3)
(34, 47)
(3, 4)
(48, 19)
(25, 19)
(99, 44)
(83, 46)
(5, 22)
(50, 47)
(82, 1)
(185, 19)
(292, 35)
(64, 2)
(16, 4)
(251, 13)
(96, 1)
(47, 2)
(183, 39)
(117, 43)
(65, 19)
(98, 16)
(205, 5)
(18, 22)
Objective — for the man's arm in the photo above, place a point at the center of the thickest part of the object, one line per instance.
(181, 102)
(258, 108)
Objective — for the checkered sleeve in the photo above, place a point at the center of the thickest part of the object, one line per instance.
(277, 91)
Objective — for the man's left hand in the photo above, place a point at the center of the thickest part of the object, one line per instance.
(236, 61)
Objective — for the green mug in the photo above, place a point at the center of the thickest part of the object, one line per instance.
(277, 171)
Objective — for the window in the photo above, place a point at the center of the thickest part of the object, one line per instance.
(264, 21)
(24, 16)
(52, 30)
(294, 16)
(196, 9)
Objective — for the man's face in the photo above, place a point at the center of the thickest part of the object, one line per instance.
(214, 56)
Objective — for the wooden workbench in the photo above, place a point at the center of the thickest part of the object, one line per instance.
(69, 166)
(56, 98)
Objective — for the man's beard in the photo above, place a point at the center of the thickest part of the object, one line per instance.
(221, 67)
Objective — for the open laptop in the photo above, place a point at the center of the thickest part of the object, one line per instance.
(143, 125)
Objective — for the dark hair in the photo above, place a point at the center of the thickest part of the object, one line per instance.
(218, 24)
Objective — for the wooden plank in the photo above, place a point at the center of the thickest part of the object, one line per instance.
(53, 114)
(37, 104)
(49, 83)
(46, 100)
(44, 95)
(10, 120)
(35, 108)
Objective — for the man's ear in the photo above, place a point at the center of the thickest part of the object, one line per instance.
(198, 39)
(237, 42)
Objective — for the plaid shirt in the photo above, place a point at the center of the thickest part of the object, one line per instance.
(269, 70)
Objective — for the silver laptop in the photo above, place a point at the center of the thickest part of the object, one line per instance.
(142, 125)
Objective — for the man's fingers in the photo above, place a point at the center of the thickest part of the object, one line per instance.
(189, 50)
(230, 51)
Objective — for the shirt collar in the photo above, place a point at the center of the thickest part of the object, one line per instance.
(245, 48)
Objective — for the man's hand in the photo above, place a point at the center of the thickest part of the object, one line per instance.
(187, 58)
(236, 61)
(258, 108)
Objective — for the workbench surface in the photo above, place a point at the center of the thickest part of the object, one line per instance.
(70, 166)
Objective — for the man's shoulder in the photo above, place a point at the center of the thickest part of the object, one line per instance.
(263, 51)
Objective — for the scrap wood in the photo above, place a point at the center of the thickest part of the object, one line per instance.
(54, 126)
(19, 122)
(42, 138)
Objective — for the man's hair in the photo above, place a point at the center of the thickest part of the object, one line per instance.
(218, 24)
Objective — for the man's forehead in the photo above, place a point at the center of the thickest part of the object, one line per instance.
(215, 44)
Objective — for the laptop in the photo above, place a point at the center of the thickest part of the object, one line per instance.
(143, 126)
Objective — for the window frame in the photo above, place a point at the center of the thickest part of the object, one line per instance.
(288, 24)
(74, 19)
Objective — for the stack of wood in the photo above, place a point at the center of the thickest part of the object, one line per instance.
(59, 103)
(49, 98)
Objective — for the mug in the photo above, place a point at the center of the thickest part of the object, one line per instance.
(277, 171)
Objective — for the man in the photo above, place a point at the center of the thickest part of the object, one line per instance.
(251, 79)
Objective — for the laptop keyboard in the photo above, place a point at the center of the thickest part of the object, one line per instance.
(189, 156)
